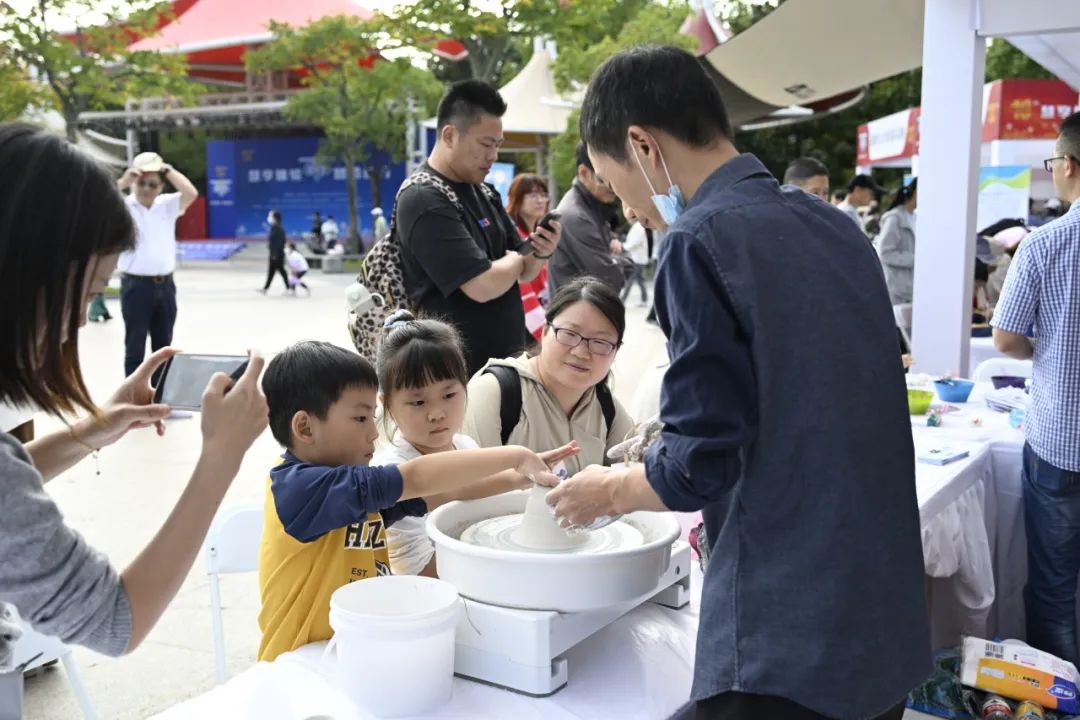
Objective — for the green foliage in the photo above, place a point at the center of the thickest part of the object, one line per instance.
(17, 92)
(1003, 61)
(358, 104)
(593, 31)
(91, 68)
(497, 34)
(832, 139)
(582, 52)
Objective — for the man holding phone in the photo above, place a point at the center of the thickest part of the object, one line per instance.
(461, 254)
(588, 246)
(147, 291)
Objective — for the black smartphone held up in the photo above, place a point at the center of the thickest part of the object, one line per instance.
(184, 378)
(545, 222)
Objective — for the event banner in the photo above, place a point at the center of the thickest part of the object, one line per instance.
(249, 177)
(1004, 192)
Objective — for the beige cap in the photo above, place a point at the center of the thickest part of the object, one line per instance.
(148, 162)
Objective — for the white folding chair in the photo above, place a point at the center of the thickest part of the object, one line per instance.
(231, 546)
(37, 649)
(1002, 366)
(902, 317)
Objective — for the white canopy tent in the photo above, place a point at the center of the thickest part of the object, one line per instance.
(954, 60)
(535, 113)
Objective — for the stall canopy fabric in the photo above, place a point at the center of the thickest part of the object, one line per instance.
(815, 53)
(534, 107)
(1058, 52)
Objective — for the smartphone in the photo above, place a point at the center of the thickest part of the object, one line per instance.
(184, 378)
(545, 222)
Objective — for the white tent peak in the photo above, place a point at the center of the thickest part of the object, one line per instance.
(532, 103)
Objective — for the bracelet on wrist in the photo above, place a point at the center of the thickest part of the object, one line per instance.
(94, 452)
(542, 257)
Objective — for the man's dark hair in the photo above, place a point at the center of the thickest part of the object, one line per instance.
(60, 214)
(802, 169)
(582, 153)
(466, 101)
(311, 376)
(839, 195)
(655, 86)
(276, 214)
(1070, 136)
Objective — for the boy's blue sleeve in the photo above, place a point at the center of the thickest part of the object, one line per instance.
(406, 508)
(312, 500)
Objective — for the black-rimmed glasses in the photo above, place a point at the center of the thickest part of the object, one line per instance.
(1048, 163)
(596, 346)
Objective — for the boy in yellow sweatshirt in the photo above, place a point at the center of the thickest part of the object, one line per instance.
(326, 510)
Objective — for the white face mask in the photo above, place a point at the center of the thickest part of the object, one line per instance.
(670, 205)
(269, 219)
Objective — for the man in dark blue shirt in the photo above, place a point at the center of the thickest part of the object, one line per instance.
(784, 410)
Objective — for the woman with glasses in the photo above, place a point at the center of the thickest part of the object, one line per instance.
(561, 393)
(528, 202)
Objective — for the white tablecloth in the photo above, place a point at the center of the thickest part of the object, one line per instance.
(973, 526)
(982, 349)
(639, 667)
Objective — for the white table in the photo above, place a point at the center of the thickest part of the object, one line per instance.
(983, 349)
(973, 525)
(639, 667)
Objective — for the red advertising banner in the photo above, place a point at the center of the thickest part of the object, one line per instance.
(1032, 109)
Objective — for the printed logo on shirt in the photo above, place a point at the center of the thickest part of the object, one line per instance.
(484, 222)
(368, 535)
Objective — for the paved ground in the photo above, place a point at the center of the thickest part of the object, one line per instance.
(142, 476)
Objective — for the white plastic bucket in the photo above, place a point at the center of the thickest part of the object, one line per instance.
(394, 637)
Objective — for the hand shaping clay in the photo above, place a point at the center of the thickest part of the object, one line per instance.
(540, 530)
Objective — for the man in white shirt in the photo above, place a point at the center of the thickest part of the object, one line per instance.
(862, 190)
(147, 292)
(330, 231)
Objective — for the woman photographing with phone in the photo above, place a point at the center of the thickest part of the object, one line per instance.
(63, 226)
(528, 203)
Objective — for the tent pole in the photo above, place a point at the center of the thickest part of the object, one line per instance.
(954, 61)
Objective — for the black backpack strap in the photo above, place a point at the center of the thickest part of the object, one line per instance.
(607, 404)
(510, 402)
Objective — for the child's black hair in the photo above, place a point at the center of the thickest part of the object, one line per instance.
(415, 353)
(311, 376)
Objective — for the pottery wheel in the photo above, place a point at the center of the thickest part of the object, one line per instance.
(536, 530)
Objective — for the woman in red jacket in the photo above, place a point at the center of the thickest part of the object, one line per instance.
(528, 202)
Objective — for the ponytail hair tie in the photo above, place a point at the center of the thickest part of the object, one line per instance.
(399, 318)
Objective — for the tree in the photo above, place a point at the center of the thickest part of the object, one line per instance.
(581, 51)
(361, 102)
(497, 34)
(1003, 60)
(90, 67)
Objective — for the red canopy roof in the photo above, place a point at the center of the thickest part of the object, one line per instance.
(217, 24)
(215, 34)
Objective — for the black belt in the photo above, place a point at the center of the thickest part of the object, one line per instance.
(156, 279)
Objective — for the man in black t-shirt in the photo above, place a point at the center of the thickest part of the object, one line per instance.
(464, 265)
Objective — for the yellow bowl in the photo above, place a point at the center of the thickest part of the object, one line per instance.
(918, 401)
